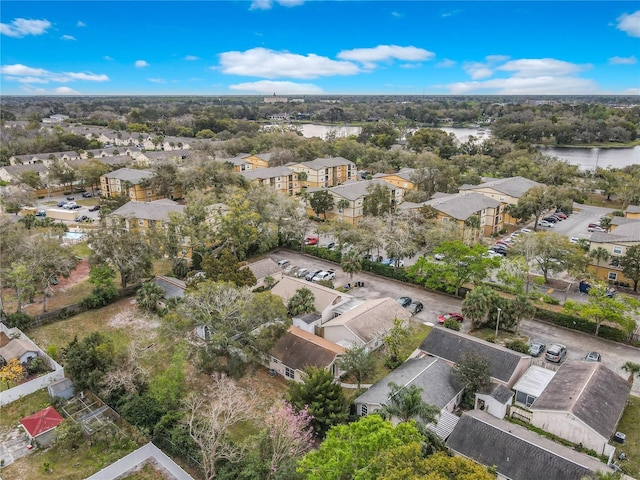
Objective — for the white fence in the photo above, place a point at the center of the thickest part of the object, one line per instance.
(36, 384)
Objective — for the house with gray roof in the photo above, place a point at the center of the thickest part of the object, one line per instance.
(264, 268)
(517, 453)
(506, 365)
(171, 286)
(583, 404)
(22, 349)
(156, 211)
(624, 234)
(440, 388)
(531, 385)
(494, 399)
(13, 173)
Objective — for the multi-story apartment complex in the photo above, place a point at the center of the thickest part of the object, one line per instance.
(135, 184)
(326, 172)
(281, 179)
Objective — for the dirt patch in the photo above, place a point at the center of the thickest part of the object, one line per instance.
(131, 318)
(77, 275)
(4, 339)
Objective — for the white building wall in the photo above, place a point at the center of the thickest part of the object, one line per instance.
(567, 426)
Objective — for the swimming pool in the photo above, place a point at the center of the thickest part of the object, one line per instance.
(74, 236)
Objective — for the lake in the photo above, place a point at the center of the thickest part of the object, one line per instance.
(585, 158)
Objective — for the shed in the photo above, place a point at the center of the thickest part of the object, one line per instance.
(494, 399)
(41, 425)
(62, 388)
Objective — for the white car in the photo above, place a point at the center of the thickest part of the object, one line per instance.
(525, 230)
(324, 275)
(544, 223)
(574, 240)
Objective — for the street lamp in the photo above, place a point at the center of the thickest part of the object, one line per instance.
(498, 321)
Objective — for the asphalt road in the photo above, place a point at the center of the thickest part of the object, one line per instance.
(578, 344)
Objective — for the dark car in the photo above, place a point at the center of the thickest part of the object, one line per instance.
(536, 349)
(404, 301)
(556, 353)
(312, 274)
(41, 213)
(75, 207)
(95, 208)
(87, 195)
(71, 197)
(446, 316)
(82, 218)
(551, 219)
(593, 357)
(415, 307)
(62, 204)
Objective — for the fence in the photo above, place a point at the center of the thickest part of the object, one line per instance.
(19, 391)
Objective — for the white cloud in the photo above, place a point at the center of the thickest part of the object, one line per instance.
(265, 63)
(477, 70)
(21, 27)
(452, 13)
(67, 37)
(66, 91)
(27, 75)
(191, 58)
(632, 60)
(385, 53)
(410, 66)
(542, 85)
(157, 80)
(268, 4)
(539, 67)
(629, 23)
(397, 14)
(141, 64)
(107, 57)
(632, 91)
(446, 63)
(81, 24)
(284, 88)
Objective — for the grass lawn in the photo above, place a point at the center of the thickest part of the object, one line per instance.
(81, 249)
(630, 426)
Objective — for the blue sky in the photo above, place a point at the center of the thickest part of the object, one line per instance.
(293, 47)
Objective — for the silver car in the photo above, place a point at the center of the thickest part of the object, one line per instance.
(556, 353)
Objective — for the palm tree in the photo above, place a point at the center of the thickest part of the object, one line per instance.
(477, 303)
(303, 301)
(351, 263)
(148, 296)
(405, 403)
(633, 369)
(599, 254)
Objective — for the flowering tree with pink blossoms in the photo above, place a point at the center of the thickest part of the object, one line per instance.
(289, 432)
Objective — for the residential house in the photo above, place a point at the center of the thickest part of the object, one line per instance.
(440, 388)
(135, 184)
(507, 366)
(531, 385)
(296, 350)
(326, 172)
(507, 190)
(632, 211)
(265, 268)
(325, 299)
(517, 453)
(582, 404)
(13, 173)
(19, 348)
(366, 324)
(459, 207)
(349, 199)
(41, 425)
(616, 243)
(281, 179)
(403, 178)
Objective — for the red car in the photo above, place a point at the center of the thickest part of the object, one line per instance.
(311, 241)
(446, 316)
(561, 215)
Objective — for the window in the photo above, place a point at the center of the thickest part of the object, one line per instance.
(289, 372)
(141, 223)
(617, 250)
(364, 410)
(524, 399)
(612, 276)
(502, 199)
(148, 193)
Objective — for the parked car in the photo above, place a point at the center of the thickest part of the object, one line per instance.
(82, 218)
(561, 215)
(330, 245)
(324, 275)
(392, 262)
(545, 223)
(415, 307)
(283, 263)
(591, 225)
(62, 204)
(526, 230)
(593, 357)
(75, 206)
(69, 205)
(551, 219)
(446, 316)
(574, 240)
(95, 208)
(311, 241)
(301, 273)
(41, 213)
(404, 301)
(312, 274)
(596, 229)
(87, 195)
(556, 353)
(536, 349)
(439, 256)
(498, 251)
(71, 197)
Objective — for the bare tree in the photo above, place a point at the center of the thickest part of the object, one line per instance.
(130, 374)
(211, 415)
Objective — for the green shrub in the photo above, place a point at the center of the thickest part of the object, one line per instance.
(324, 253)
(491, 338)
(40, 197)
(452, 324)
(577, 323)
(518, 346)
(18, 319)
(100, 297)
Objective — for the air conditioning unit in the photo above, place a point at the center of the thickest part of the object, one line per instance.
(619, 437)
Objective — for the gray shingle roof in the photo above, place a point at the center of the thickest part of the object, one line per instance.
(16, 348)
(450, 345)
(17, 170)
(433, 375)
(588, 390)
(131, 175)
(463, 205)
(516, 452)
(173, 287)
(633, 209)
(513, 186)
(319, 163)
(498, 392)
(353, 190)
(629, 232)
(404, 173)
(263, 268)
(158, 210)
(266, 173)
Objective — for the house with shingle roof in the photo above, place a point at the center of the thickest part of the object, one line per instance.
(440, 388)
(296, 350)
(506, 365)
(13, 173)
(506, 190)
(366, 324)
(622, 236)
(281, 179)
(354, 193)
(259, 160)
(326, 172)
(517, 453)
(583, 404)
(19, 348)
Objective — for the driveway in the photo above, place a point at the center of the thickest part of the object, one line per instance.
(578, 344)
(577, 223)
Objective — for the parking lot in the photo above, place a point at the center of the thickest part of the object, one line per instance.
(52, 202)
(577, 223)
(578, 344)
